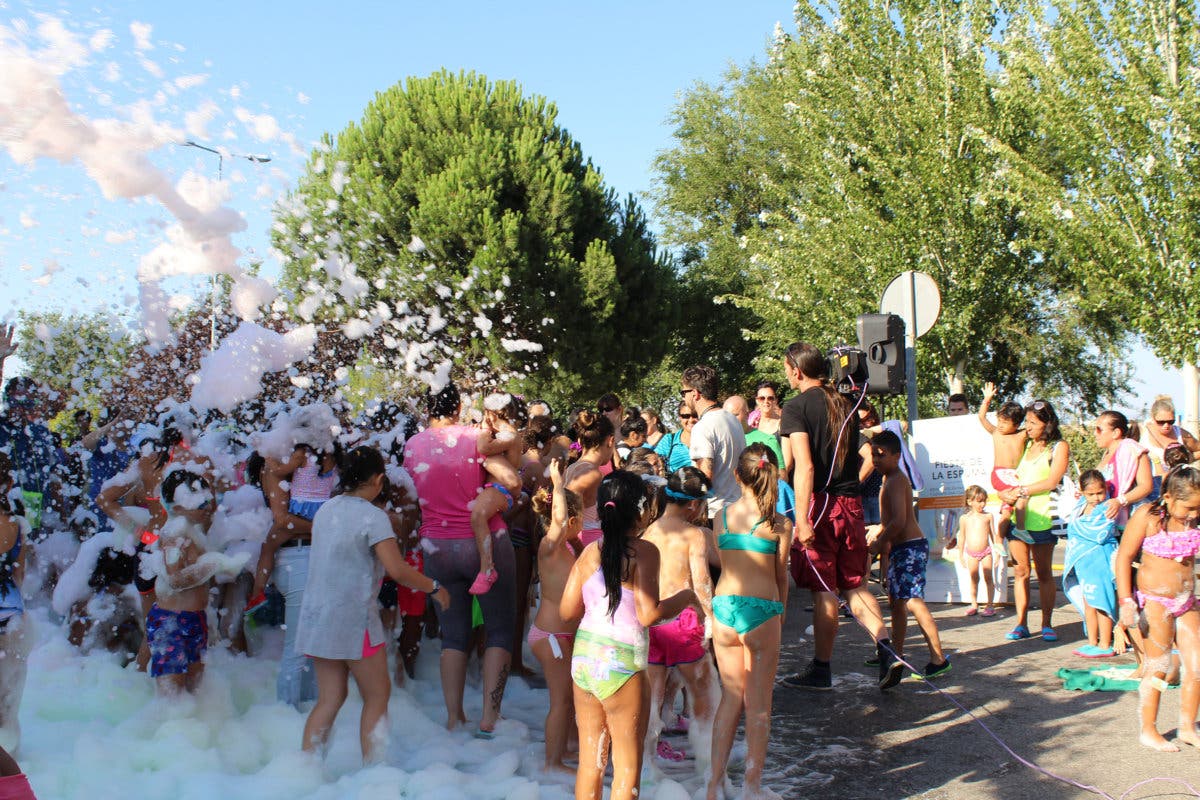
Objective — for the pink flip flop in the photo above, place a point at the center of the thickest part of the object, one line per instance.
(972, 612)
(668, 753)
(484, 582)
(988, 612)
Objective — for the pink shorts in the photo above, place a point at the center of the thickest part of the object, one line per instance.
(680, 641)
(1004, 479)
(368, 650)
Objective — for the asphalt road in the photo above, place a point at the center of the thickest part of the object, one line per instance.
(856, 742)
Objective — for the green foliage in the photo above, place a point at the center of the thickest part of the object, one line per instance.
(881, 138)
(464, 209)
(1113, 84)
(79, 356)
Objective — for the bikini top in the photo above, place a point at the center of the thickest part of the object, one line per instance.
(746, 541)
(1176, 545)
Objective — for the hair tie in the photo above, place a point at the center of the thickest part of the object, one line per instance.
(610, 504)
(577, 447)
(762, 462)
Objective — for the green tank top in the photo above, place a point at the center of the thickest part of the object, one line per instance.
(1038, 515)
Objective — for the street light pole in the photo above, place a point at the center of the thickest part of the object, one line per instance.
(212, 288)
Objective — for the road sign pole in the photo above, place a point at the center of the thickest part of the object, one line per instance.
(910, 342)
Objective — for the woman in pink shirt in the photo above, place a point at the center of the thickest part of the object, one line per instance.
(448, 472)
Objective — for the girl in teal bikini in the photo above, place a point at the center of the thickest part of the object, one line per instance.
(748, 605)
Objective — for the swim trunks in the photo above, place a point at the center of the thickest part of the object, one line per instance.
(906, 569)
(177, 640)
(680, 641)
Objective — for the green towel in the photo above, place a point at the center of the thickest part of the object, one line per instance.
(1112, 678)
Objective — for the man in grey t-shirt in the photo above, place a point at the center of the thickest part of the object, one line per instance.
(717, 438)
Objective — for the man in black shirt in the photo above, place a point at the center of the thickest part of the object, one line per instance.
(829, 553)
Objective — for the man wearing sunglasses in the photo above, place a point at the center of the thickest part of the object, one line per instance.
(717, 438)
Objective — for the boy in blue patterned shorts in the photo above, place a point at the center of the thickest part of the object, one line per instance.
(909, 556)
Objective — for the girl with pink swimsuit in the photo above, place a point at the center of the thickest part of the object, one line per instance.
(596, 437)
(1166, 535)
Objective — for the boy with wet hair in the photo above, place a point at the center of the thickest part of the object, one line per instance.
(909, 557)
(177, 625)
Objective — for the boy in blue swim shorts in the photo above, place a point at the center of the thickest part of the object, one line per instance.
(177, 627)
(909, 557)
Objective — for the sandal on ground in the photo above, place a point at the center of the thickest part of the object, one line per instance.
(1093, 651)
(1019, 632)
(668, 753)
(988, 612)
(972, 612)
(1048, 635)
(484, 582)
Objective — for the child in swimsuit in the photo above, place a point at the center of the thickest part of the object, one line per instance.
(1166, 535)
(177, 625)
(1008, 441)
(681, 645)
(503, 415)
(614, 588)
(551, 640)
(1087, 577)
(748, 603)
(909, 558)
(976, 536)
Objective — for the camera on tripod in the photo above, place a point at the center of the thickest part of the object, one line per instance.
(878, 363)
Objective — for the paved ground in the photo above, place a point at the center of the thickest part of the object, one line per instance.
(855, 742)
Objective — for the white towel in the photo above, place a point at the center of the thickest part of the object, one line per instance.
(907, 462)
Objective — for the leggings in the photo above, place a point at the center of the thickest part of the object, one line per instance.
(454, 563)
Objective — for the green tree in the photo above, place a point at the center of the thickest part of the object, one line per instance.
(881, 138)
(458, 222)
(1114, 85)
(78, 356)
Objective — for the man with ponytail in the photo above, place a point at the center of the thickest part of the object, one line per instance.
(829, 555)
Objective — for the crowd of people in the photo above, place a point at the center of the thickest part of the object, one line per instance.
(662, 559)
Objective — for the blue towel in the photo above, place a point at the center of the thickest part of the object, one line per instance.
(1088, 567)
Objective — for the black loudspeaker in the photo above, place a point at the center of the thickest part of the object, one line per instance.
(881, 337)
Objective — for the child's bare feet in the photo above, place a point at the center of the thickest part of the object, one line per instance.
(1155, 741)
(1187, 736)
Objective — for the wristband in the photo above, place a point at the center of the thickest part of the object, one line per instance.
(436, 587)
(1129, 600)
(1121, 500)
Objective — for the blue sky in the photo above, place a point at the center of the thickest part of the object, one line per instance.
(613, 69)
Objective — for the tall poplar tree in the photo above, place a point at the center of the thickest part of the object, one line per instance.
(881, 138)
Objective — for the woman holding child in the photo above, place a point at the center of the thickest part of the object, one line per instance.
(1040, 470)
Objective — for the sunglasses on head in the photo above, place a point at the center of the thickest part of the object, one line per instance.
(1038, 406)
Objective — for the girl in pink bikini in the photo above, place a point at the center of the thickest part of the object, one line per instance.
(1166, 535)
(583, 477)
(550, 638)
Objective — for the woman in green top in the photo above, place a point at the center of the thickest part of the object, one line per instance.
(748, 604)
(1040, 471)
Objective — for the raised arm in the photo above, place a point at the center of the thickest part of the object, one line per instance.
(7, 345)
(989, 391)
(558, 505)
